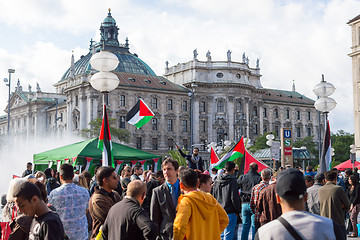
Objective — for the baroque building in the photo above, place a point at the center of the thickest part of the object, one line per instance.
(355, 56)
(195, 103)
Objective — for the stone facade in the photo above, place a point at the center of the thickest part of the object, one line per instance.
(195, 103)
(355, 56)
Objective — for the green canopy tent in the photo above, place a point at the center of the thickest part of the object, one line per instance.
(88, 156)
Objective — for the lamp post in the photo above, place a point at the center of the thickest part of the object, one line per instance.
(324, 103)
(353, 154)
(10, 71)
(270, 137)
(104, 81)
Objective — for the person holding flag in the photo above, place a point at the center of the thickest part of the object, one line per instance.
(193, 161)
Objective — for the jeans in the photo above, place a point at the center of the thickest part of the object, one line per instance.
(248, 219)
(229, 231)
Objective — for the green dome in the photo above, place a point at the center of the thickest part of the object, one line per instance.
(109, 20)
(128, 63)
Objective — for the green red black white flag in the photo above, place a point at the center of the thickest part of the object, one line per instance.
(140, 114)
(237, 151)
(105, 142)
(325, 161)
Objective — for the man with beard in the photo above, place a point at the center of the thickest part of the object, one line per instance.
(193, 161)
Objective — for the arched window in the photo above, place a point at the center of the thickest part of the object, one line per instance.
(255, 111)
(220, 106)
(220, 135)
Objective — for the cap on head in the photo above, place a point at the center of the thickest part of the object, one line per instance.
(290, 184)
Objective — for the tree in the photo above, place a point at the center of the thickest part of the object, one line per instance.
(174, 154)
(95, 126)
(259, 143)
(309, 143)
(341, 142)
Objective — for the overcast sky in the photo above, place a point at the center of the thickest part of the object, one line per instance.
(295, 40)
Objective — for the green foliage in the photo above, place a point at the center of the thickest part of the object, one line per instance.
(174, 154)
(341, 142)
(259, 143)
(95, 126)
(309, 143)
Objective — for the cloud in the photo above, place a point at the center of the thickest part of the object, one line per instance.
(295, 40)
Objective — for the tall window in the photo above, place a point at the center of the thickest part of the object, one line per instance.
(122, 122)
(309, 132)
(154, 103)
(256, 129)
(202, 106)
(184, 106)
(24, 121)
(154, 144)
(287, 114)
(276, 113)
(170, 125)
(169, 104)
(202, 126)
(220, 135)
(265, 112)
(170, 144)
(185, 144)
(298, 133)
(255, 111)
(139, 143)
(76, 101)
(239, 106)
(49, 120)
(220, 106)
(309, 115)
(298, 115)
(203, 145)
(277, 131)
(154, 124)
(122, 101)
(184, 125)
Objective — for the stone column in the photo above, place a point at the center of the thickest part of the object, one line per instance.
(247, 116)
(231, 117)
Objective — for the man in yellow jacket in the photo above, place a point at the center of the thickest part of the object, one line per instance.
(199, 215)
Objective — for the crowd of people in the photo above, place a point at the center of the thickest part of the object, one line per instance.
(180, 202)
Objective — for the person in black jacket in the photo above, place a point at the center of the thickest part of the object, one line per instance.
(225, 191)
(127, 219)
(246, 183)
(354, 195)
(193, 161)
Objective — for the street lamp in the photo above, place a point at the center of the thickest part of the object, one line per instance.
(104, 81)
(324, 103)
(353, 154)
(10, 71)
(323, 90)
(270, 137)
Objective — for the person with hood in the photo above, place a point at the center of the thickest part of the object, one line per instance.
(225, 191)
(199, 215)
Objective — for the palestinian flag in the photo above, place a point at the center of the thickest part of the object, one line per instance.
(139, 115)
(105, 142)
(236, 152)
(213, 157)
(325, 160)
(250, 159)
